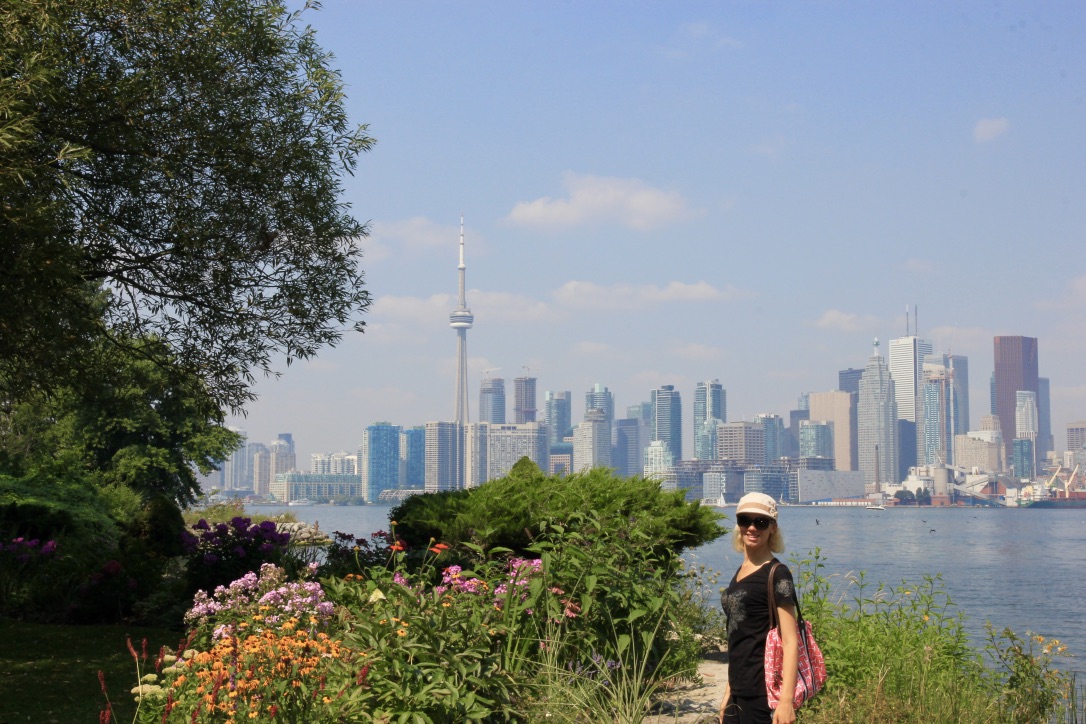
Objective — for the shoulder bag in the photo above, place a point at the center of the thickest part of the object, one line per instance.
(812, 668)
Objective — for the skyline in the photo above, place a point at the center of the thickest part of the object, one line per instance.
(667, 195)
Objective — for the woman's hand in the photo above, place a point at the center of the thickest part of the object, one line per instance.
(784, 714)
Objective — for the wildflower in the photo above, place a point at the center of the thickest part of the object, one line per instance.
(397, 546)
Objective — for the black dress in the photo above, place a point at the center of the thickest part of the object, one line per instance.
(746, 604)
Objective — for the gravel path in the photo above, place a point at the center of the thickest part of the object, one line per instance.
(692, 703)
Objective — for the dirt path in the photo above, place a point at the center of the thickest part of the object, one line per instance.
(695, 704)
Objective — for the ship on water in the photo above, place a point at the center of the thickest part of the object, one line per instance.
(1051, 497)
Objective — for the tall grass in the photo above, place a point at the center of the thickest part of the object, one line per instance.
(901, 654)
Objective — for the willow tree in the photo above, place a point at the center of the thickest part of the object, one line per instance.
(172, 170)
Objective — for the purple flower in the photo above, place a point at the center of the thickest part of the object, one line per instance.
(239, 551)
(202, 525)
(49, 547)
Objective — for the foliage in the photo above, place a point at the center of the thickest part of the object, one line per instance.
(224, 552)
(227, 510)
(508, 512)
(183, 157)
(905, 497)
(901, 655)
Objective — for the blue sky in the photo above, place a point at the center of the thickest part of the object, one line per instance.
(665, 192)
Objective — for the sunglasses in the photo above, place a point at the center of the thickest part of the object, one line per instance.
(746, 521)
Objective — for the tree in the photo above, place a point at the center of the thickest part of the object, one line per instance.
(171, 170)
(905, 497)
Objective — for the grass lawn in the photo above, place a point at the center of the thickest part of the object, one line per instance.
(50, 673)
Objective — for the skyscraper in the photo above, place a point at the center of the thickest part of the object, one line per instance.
(1015, 369)
(492, 400)
(524, 400)
(444, 456)
(1026, 428)
(907, 355)
(816, 439)
(775, 435)
(1046, 443)
(592, 441)
(849, 380)
(877, 417)
(630, 440)
(839, 409)
(600, 398)
(668, 419)
(557, 407)
(743, 442)
(380, 465)
(413, 458)
(461, 320)
(710, 409)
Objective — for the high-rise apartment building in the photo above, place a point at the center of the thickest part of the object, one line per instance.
(877, 417)
(775, 436)
(337, 463)
(668, 419)
(558, 409)
(907, 355)
(592, 441)
(524, 409)
(710, 409)
(816, 439)
(444, 451)
(492, 400)
(600, 398)
(1026, 428)
(506, 444)
(630, 438)
(1015, 369)
(413, 458)
(659, 460)
(380, 460)
(238, 472)
(839, 409)
(743, 442)
(1076, 435)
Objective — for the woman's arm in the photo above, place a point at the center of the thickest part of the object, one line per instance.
(785, 713)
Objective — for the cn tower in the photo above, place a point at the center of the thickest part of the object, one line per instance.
(461, 320)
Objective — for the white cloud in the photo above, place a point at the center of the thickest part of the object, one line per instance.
(494, 306)
(373, 251)
(989, 129)
(503, 306)
(591, 349)
(846, 321)
(589, 295)
(1073, 297)
(418, 233)
(697, 351)
(603, 200)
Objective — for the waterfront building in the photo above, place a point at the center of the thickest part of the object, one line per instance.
(524, 409)
(1076, 435)
(775, 434)
(444, 451)
(812, 485)
(336, 463)
(701, 479)
(237, 471)
(281, 457)
(491, 450)
(1015, 369)
(592, 441)
(600, 398)
(413, 458)
(743, 442)
(476, 468)
(557, 408)
(907, 355)
(1022, 458)
(877, 440)
(380, 459)
(773, 480)
(795, 417)
(492, 400)
(261, 466)
(710, 409)
(982, 449)
(658, 460)
(839, 409)
(315, 487)
(816, 439)
(668, 419)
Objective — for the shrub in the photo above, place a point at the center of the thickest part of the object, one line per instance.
(224, 552)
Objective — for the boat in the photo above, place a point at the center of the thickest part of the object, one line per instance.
(300, 501)
(875, 507)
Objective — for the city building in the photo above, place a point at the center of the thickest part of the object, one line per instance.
(315, 487)
(1076, 435)
(413, 458)
(981, 449)
(876, 414)
(659, 462)
(524, 409)
(461, 320)
(668, 419)
(1046, 441)
(630, 438)
(1015, 369)
(814, 485)
(742, 441)
(492, 400)
(380, 459)
(592, 441)
(336, 463)
(816, 439)
(776, 435)
(795, 417)
(839, 409)
(557, 408)
(491, 451)
(849, 380)
(600, 398)
(1022, 458)
(238, 471)
(444, 452)
(906, 362)
(710, 409)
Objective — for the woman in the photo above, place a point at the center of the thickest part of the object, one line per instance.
(746, 604)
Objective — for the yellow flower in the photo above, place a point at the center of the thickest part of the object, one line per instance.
(327, 700)
(401, 632)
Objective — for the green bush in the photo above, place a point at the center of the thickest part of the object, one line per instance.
(508, 512)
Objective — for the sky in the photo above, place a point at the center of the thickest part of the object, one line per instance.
(666, 192)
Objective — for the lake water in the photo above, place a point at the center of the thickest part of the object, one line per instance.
(1022, 569)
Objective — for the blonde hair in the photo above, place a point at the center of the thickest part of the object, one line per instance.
(776, 539)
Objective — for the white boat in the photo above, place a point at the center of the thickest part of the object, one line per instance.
(301, 501)
(875, 507)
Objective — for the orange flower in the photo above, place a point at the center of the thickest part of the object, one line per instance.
(439, 548)
(397, 546)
